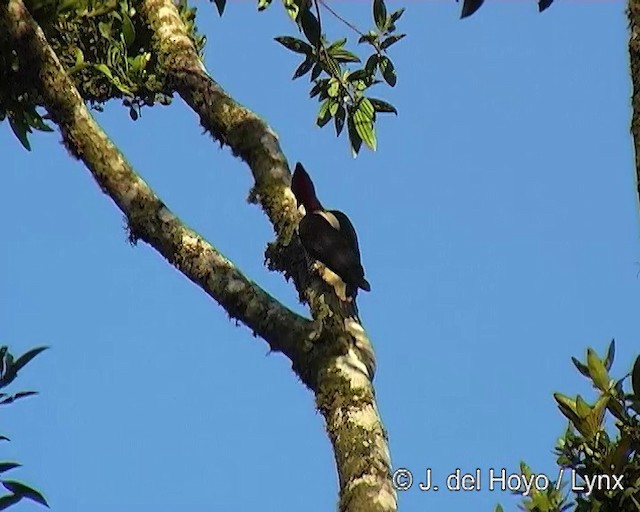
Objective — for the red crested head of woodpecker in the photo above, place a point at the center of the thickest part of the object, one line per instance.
(329, 237)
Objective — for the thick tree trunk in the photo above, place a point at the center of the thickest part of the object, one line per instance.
(634, 59)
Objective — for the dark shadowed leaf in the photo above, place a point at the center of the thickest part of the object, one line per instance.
(354, 139)
(17, 396)
(391, 40)
(9, 500)
(396, 15)
(339, 119)
(611, 352)
(383, 106)
(25, 491)
(20, 130)
(263, 4)
(35, 120)
(380, 14)
(25, 358)
(469, 7)
(303, 68)
(635, 378)
(317, 70)
(8, 466)
(388, 71)
(311, 27)
(315, 90)
(295, 45)
(221, 4)
(4, 438)
(372, 64)
(359, 74)
(544, 4)
(582, 368)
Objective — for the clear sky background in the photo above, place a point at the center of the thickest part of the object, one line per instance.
(499, 229)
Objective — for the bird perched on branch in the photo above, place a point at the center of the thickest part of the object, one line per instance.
(329, 237)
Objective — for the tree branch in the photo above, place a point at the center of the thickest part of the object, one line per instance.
(340, 368)
(633, 12)
(149, 219)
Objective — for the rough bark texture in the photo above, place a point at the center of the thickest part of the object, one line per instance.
(332, 355)
(634, 58)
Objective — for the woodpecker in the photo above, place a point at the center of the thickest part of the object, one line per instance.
(329, 237)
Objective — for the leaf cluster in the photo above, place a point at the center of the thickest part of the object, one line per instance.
(340, 89)
(9, 368)
(105, 46)
(602, 438)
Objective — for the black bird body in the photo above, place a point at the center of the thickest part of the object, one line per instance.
(329, 237)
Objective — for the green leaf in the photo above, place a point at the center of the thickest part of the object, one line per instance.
(611, 352)
(221, 4)
(104, 70)
(582, 408)
(469, 7)
(20, 129)
(303, 68)
(383, 106)
(388, 71)
(105, 29)
(337, 44)
(8, 466)
(323, 114)
(339, 119)
(396, 15)
(342, 55)
(354, 139)
(25, 491)
(635, 378)
(311, 27)
(597, 371)
(380, 14)
(334, 88)
(292, 9)
(128, 31)
(9, 500)
(391, 40)
(295, 45)
(499, 508)
(79, 58)
(363, 120)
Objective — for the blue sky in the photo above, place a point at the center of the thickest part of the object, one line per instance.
(499, 228)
